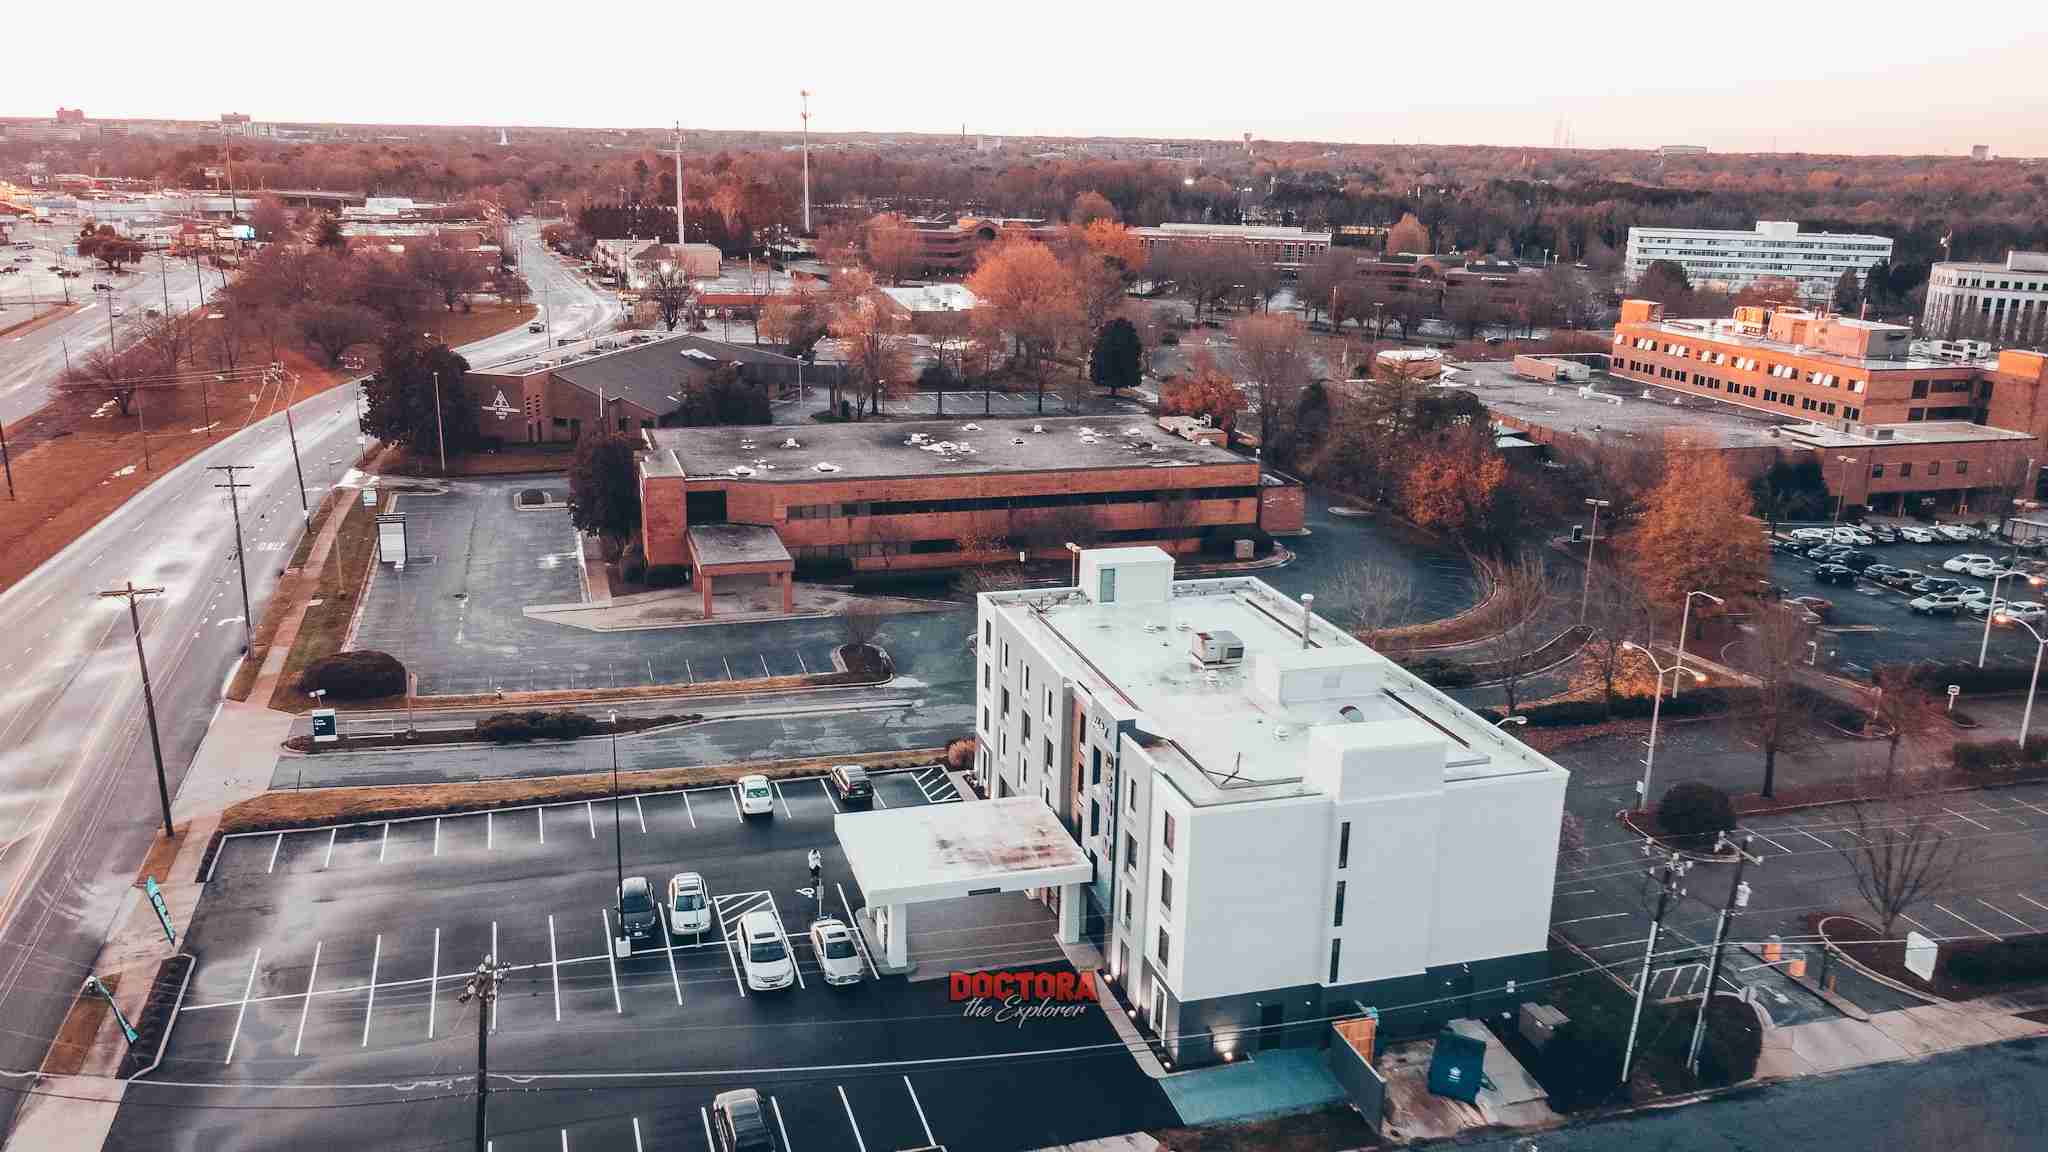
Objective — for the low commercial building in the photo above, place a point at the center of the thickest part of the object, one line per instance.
(1284, 825)
(624, 382)
(1995, 302)
(899, 496)
(930, 309)
(1731, 260)
(952, 245)
(1282, 246)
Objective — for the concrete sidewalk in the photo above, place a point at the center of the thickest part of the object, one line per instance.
(1905, 1034)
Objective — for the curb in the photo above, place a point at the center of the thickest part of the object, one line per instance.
(1627, 818)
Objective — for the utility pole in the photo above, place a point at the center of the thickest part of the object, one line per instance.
(482, 986)
(163, 791)
(6, 461)
(241, 553)
(806, 94)
(1738, 898)
(1675, 867)
(440, 441)
(305, 509)
(682, 233)
(618, 840)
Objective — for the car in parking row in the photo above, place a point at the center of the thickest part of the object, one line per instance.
(2027, 610)
(764, 952)
(1835, 574)
(1964, 562)
(1936, 604)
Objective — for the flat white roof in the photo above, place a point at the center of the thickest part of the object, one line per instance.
(943, 851)
(934, 298)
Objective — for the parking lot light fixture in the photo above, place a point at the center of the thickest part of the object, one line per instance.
(1656, 708)
(1685, 623)
(1517, 721)
(1076, 550)
(1842, 497)
(625, 943)
(1990, 611)
(2040, 643)
(1586, 588)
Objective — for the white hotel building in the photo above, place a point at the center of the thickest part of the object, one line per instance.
(1731, 261)
(1283, 826)
(1989, 301)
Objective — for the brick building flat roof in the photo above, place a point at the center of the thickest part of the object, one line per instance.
(717, 544)
(1725, 332)
(884, 449)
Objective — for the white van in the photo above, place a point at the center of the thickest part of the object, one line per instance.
(764, 952)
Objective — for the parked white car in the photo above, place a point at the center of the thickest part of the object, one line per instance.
(757, 796)
(1956, 532)
(1851, 536)
(1979, 602)
(689, 903)
(838, 956)
(1964, 562)
(2026, 610)
(1991, 570)
(1814, 534)
(764, 952)
(1913, 534)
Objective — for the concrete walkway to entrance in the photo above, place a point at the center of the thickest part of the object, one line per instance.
(683, 607)
(1903, 1034)
(1265, 1083)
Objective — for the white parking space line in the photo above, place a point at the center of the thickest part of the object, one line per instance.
(541, 814)
(710, 1144)
(1771, 842)
(611, 955)
(1917, 924)
(329, 858)
(794, 967)
(1973, 927)
(1812, 837)
(858, 941)
(1583, 919)
(434, 984)
(850, 1121)
(670, 928)
(376, 954)
(877, 794)
(437, 836)
(764, 664)
(490, 833)
(311, 975)
(239, 1012)
(590, 814)
(565, 1139)
(637, 1147)
(2004, 913)
(779, 1127)
(735, 794)
(728, 667)
(2031, 900)
(274, 846)
(384, 842)
(1966, 819)
(801, 666)
(827, 788)
(929, 1139)
(640, 814)
(781, 799)
(555, 967)
(2024, 804)
(1579, 892)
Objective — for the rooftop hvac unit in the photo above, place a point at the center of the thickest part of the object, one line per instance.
(1217, 648)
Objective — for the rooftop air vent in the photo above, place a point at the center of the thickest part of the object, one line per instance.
(1217, 648)
(970, 427)
(825, 466)
(1038, 427)
(791, 443)
(740, 470)
(1016, 439)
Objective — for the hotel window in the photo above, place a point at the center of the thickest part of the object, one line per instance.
(1166, 833)
(1094, 818)
(1166, 890)
(1163, 945)
(1344, 844)
(1024, 716)
(984, 718)
(1130, 852)
(1095, 766)
(1962, 467)
(986, 672)
(1127, 907)
(1133, 798)
(988, 631)
(1006, 701)
(1877, 471)
(1336, 954)
(1027, 677)
(1337, 918)
(1906, 468)
(1934, 468)
(1048, 704)
(1048, 753)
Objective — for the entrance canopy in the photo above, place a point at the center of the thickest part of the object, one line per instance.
(941, 851)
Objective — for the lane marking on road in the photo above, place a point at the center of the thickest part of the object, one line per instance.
(329, 858)
(668, 927)
(735, 794)
(590, 814)
(640, 814)
(2004, 913)
(555, 967)
(827, 789)
(274, 846)
(1583, 919)
(793, 965)
(689, 811)
(611, 955)
(304, 1009)
(541, 814)
(711, 1145)
(728, 667)
(499, 961)
(247, 988)
(376, 955)
(1973, 927)
(800, 665)
(851, 1122)
(692, 676)
(1579, 892)
(781, 799)
(859, 937)
(437, 836)
(779, 1127)
(929, 1139)
(1966, 819)
(728, 935)
(433, 983)
(384, 842)
(637, 1147)
(490, 833)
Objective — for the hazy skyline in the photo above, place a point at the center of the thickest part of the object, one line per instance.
(1809, 79)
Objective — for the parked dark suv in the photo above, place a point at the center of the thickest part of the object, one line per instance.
(637, 916)
(851, 784)
(741, 1123)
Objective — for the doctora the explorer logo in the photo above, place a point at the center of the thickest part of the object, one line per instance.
(1017, 997)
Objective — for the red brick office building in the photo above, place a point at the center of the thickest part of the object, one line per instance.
(883, 496)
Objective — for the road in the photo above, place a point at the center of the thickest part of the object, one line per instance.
(77, 809)
(1976, 1100)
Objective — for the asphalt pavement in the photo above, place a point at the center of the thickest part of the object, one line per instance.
(334, 957)
(78, 809)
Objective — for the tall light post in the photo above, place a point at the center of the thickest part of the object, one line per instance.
(618, 844)
(1656, 709)
(1076, 550)
(1842, 497)
(1586, 590)
(1685, 623)
(2040, 643)
(1991, 611)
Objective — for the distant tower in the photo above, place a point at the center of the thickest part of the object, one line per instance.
(1980, 151)
(502, 141)
(681, 236)
(806, 94)
(1247, 143)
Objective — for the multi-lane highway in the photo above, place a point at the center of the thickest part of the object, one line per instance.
(77, 800)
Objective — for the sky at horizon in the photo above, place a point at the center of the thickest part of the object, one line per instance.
(1822, 79)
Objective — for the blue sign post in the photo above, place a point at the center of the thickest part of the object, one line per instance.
(92, 984)
(163, 911)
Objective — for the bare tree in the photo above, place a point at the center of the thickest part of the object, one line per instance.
(859, 624)
(668, 286)
(1778, 720)
(1904, 709)
(1901, 850)
(1521, 612)
(1376, 595)
(1617, 612)
(1274, 350)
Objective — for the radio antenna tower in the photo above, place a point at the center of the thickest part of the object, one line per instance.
(806, 94)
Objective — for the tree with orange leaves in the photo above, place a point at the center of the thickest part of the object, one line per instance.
(1206, 390)
(892, 247)
(1029, 295)
(1115, 244)
(1695, 532)
(1455, 485)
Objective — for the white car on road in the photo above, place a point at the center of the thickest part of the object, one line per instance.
(838, 956)
(1991, 570)
(689, 904)
(757, 796)
(1964, 562)
(764, 952)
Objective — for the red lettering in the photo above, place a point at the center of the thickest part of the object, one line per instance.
(1086, 989)
(986, 984)
(1063, 986)
(1046, 985)
(960, 986)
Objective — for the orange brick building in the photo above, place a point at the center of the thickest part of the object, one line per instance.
(885, 496)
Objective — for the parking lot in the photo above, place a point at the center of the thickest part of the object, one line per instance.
(336, 956)
(1871, 624)
(1604, 903)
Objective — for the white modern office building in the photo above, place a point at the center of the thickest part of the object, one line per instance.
(1995, 302)
(1283, 825)
(1730, 261)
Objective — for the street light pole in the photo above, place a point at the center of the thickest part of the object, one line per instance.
(2040, 643)
(482, 987)
(441, 441)
(1656, 708)
(129, 592)
(1586, 589)
(1842, 497)
(291, 430)
(1684, 623)
(618, 840)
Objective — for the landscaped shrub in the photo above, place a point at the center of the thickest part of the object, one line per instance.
(960, 754)
(1971, 679)
(518, 727)
(1734, 1041)
(362, 675)
(1582, 1063)
(1444, 673)
(1988, 962)
(633, 564)
(1696, 702)
(1693, 812)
